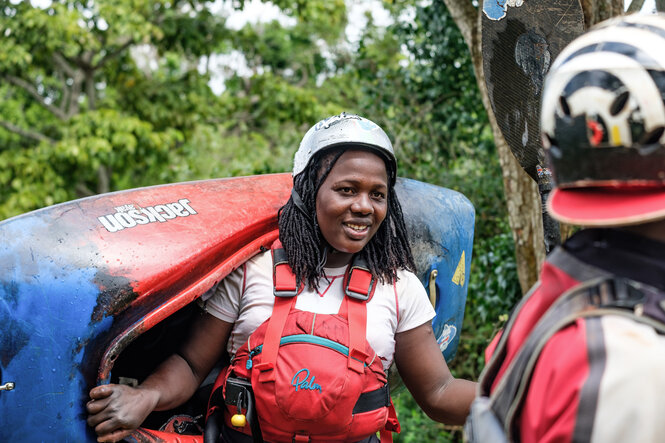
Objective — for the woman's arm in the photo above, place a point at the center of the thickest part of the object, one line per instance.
(116, 410)
(426, 375)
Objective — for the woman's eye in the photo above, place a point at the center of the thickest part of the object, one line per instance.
(346, 190)
(378, 195)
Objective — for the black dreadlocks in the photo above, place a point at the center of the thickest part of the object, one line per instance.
(305, 247)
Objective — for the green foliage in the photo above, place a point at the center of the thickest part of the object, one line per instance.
(126, 146)
(325, 19)
(418, 428)
(493, 291)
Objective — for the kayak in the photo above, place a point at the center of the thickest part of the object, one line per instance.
(102, 289)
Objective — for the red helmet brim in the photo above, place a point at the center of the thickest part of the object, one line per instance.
(604, 207)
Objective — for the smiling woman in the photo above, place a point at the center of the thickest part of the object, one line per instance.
(310, 364)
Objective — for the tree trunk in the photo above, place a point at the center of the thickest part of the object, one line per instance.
(524, 207)
(598, 10)
(521, 191)
(522, 197)
(635, 6)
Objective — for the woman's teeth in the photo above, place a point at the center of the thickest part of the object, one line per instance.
(357, 227)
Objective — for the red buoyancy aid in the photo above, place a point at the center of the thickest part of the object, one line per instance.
(314, 377)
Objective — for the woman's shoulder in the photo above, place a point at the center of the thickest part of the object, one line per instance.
(261, 263)
(407, 278)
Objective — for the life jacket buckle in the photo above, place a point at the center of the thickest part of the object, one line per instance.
(359, 282)
(284, 280)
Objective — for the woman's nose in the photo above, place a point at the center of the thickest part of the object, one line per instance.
(362, 204)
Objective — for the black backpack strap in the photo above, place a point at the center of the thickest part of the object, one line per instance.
(369, 401)
(491, 369)
(604, 296)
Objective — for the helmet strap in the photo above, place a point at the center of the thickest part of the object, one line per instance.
(322, 261)
(299, 204)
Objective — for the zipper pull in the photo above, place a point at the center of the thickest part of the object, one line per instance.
(252, 353)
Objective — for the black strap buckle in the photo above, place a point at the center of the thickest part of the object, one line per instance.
(239, 394)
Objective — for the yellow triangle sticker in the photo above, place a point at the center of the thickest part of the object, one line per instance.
(458, 277)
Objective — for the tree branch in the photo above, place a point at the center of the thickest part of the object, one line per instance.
(90, 91)
(70, 94)
(34, 135)
(465, 16)
(30, 89)
(589, 9)
(63, 64)
(66, 91)
(75, 93)
(111, 55)
(83, 191)
(103, 183)
(635, 6)
(596, 11)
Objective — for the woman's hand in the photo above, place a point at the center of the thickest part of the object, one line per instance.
(426, 375)
(114, 411)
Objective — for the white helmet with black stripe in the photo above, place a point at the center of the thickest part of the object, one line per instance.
(603, 124)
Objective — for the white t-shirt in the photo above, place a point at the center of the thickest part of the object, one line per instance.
(245, 298)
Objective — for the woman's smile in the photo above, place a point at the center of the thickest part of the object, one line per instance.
(358, 227)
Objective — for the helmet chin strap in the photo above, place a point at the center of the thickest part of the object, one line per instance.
(301, 207)
(326, 248)
(323, 261)
(299, 204)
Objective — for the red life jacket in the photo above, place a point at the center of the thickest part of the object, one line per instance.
(314, 377)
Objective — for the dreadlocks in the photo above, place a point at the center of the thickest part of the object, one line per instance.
(305, 247)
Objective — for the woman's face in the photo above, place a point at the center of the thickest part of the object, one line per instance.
(352, 203)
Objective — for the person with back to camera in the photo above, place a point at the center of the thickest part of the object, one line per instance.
(341, 232)
(582, 356)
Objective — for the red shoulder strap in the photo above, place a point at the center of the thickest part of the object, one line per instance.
(283, 278)
(359, 286)
(285, 290)
(392, 425)
(357, 316)
(276, 322)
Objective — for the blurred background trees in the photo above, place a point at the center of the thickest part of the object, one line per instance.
(103, 95)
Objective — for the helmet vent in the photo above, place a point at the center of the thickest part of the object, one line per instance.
(564, 105)
(619, 103)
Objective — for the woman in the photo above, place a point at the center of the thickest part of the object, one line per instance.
(342, 206)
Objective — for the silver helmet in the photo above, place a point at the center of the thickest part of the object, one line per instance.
(344, 130)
